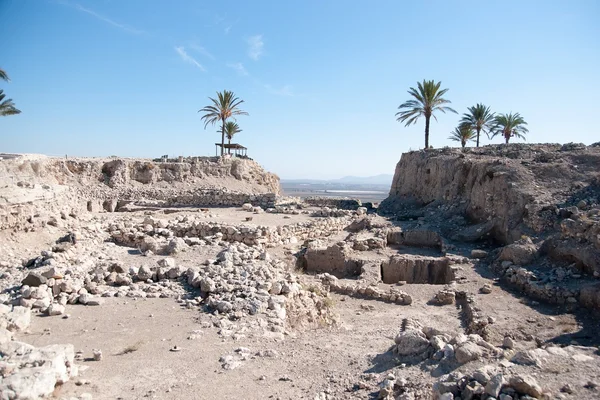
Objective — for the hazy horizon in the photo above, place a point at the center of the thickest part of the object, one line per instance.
(321, 81)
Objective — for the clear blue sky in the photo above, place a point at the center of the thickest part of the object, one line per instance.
(321, 79)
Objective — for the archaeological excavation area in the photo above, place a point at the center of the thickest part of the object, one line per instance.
(477, 278)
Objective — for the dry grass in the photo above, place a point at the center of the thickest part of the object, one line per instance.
(131, 348)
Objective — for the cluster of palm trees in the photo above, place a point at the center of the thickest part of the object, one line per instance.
(7, 107)
(223, 108)
(428, 99)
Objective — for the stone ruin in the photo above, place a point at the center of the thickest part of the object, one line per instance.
(461, 233)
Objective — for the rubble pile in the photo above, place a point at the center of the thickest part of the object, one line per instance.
(487, 384)
(392, 295)
(157, 235)
(416, 342)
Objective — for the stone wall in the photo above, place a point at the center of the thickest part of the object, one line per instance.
(135, 236)
(189, 198)
(342, 204)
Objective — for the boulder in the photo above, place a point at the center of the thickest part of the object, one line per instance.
(144, 273)
(525, 384)
(5, 335)
(34, 279)
(467, 351)
(522, 252)
(29, 383)
(411, 342)
(476, 253)
(19, 319)
(444, 297)
(528, 357)
(167, 262)
(494, 385)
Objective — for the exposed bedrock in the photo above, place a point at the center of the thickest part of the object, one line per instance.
(517, 187)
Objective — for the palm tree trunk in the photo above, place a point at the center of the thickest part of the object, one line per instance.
(507, 138)
(463, 143)
(229, 149)
(427, 131)
(222, 136)
(478, 129)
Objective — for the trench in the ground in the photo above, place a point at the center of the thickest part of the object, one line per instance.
(417, 270)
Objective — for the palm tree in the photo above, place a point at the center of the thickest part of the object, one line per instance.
(479, 118)
(509, 125)
(4, 75)
(224, 107)
(463, 133)
(231, 128)
(7, 107)
(428, 100)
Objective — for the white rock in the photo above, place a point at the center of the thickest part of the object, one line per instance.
(56, 309)
(19, 319)
(468, 351)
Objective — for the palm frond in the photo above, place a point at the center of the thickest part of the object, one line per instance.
(7, 107)
(509, 125)
(231, 128)
(4, 75)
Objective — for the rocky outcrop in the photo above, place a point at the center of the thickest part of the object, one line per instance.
(39, 190)
(198, 172)
(517, 187)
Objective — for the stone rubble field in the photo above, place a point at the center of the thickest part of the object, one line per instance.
(293, 299)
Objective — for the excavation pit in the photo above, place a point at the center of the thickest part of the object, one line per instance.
(417, 269)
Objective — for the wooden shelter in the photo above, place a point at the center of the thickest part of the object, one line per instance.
(238, 149)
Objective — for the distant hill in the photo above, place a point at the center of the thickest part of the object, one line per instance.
(382, 179)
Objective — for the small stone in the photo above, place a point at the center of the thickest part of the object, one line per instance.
(494, 385)
(508, 342)
(486, 289)
(567, 389)
(97, 354)
(56, 309)
(95, 301)
(478, 254)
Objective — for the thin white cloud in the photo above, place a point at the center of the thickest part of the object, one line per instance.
(124, 27)
(255, 46)
(202, 51)
(239, 67)
(227, 29)
(285, 90)
(187, 58)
